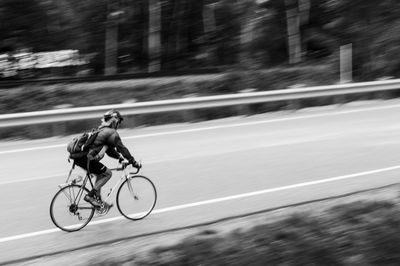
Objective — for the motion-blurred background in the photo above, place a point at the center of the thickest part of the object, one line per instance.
(71, 37)
(189, 48)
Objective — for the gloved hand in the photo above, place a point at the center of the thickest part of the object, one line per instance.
(135, 164)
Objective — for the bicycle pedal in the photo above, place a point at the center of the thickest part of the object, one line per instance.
(104, 209)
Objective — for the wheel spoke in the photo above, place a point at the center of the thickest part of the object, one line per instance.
(74, 215)
(67, 195)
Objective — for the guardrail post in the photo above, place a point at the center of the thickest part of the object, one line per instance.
(131, 121)
(189, 115)
(59, 129)
(385, 95)
(339, 99)
(245, 109)
(294, 104)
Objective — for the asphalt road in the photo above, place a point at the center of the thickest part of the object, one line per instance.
(207, 171)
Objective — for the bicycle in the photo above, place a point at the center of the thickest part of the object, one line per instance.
(135, 199)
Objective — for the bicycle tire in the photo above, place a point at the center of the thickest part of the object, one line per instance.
(129, 204)
(72, 208)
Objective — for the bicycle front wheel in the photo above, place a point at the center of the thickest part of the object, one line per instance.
(136, 197)
(68, 210)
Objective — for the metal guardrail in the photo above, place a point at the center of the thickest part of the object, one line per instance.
(30, 118)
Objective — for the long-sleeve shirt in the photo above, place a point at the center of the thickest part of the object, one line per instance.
(109, 137)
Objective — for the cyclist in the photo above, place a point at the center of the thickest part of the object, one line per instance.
(107, 142)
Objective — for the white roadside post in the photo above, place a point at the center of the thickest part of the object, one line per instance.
(346, 62)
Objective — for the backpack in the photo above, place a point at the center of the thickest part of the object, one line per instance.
(79, 146)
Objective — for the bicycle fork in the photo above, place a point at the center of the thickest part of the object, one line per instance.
(131, 189)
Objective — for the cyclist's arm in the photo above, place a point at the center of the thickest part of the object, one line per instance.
(113, 153)
(122, 149)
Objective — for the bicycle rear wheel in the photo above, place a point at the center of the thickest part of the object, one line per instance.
(69, 211)
(136, 197)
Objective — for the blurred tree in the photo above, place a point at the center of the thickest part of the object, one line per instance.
(370, 26)
(299, 26)
(133, 36)
(182, 31)
(228, 34)
(21, 22)
(83, 22)
(204, 33)
(155, 12)
(293, 31)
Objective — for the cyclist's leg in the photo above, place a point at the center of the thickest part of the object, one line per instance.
(101, 180)
(90, 196)
(94, 168)
(103, 174)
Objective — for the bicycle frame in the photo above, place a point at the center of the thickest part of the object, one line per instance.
(78, 197)
(121, 179)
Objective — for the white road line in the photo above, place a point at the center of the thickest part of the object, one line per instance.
(217, 127)
(35, 148)
(6, 182)
(212, 201)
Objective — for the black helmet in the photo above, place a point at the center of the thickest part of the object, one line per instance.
(112, 113)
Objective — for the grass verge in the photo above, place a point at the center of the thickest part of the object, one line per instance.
(359, 233)
(361, 228)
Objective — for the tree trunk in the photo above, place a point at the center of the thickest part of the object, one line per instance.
(111, 49)
(304, 10)
(111, 42)
(209, 18)
(293, 31)
(246, 35)
(154, 35)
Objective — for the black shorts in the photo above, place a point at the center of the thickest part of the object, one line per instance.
(95, 167)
